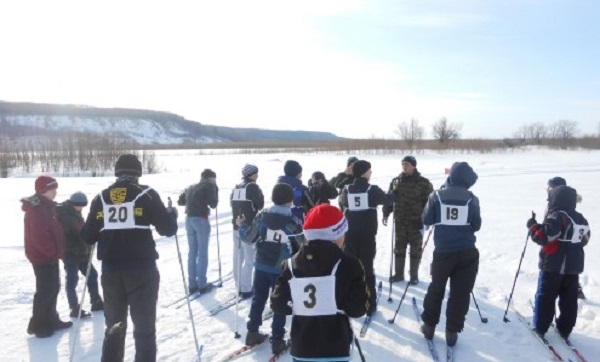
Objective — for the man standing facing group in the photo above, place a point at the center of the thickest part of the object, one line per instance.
(411, 191)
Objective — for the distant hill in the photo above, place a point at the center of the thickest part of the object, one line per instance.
(23, 121)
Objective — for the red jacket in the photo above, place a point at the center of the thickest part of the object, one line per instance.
(44, 238)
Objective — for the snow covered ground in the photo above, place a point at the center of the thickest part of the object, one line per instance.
(510, 186)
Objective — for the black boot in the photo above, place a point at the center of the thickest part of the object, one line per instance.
(75, 312)
(278, 346)
(414, 270)
(97, 304)
(255, 337)
(399, 268)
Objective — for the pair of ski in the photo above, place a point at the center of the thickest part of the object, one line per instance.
(245, 350)
(432, 349)
(367, 321)
(556, 356)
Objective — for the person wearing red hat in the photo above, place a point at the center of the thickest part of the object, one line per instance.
(44, 245)
(325, 286)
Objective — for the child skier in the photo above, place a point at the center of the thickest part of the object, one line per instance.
(562, 235)
(326, 286)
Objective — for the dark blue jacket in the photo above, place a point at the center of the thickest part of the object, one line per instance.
(455, 192)
(269, 254)
(559, 253)
(302, 200)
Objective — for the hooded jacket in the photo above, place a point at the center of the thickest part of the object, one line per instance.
(44, 239)
(454, 211)
(562, 251)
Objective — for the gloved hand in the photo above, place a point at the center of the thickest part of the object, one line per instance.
(532, 221)
(173, 212)
(384, 220)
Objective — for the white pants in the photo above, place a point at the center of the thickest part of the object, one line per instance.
(243, 263)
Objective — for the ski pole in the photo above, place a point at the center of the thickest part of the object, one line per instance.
(218, 246)
(185, 287)
(360, 352)
(392, 252)
(391, 321)
(78, 321)
(483, 319)
(504, 319)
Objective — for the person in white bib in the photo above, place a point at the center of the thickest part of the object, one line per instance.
(454, 210)
(119, 221)
(246, 201)
(322, 287)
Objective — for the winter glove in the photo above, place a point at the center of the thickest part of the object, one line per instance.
(384, 220)
(173, 212)
(532, 221)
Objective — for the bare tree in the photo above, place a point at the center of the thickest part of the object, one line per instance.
(564, 129)
(444, 131)
(410, 132)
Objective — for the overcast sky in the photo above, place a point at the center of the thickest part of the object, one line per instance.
(351, 67)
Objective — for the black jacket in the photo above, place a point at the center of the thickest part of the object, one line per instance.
(363, 222)
(255, 201)
(559, 254)
(72, 222)
(129, 248)
(199, 197)
(323, 336)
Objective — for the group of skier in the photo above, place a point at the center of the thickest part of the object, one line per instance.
(312, 260)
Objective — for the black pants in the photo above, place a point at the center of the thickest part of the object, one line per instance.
(461, 268)
(552, 286)
(47, 286)
(364, 248)
(138, 291)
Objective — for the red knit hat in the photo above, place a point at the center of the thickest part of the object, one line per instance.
(325, 222)
(45, 183)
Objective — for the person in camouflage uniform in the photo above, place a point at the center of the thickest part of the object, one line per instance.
(411, 191)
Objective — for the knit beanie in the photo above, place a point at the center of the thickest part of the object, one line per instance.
(78, 199)
(45, 183)
(292, 168)
(249, 170)
(324, 222)
(282, 194)
(128, 164)
(557, 181)
(410, 159)
(360, 167)
(351, 160)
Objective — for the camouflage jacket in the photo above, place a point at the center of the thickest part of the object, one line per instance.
(411, 193)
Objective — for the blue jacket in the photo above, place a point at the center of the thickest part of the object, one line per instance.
(562, 251)
(302, 200)
(269, 253)
(454, 211)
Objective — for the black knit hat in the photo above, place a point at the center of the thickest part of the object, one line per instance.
(318, 175)
(128, 164)
(360, 167)
(282, 194)
(351, 160)
(410, 159)
(208, 173)
(557, 181)
(292, 168)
